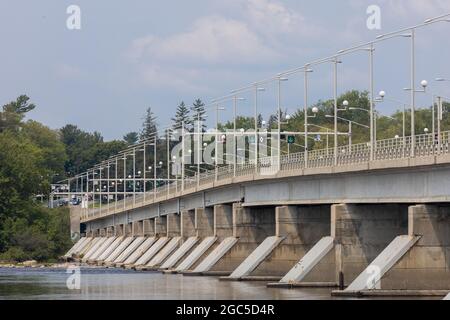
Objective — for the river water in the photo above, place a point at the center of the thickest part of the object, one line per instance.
(110, 284)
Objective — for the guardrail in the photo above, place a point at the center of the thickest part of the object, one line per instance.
(389, 149)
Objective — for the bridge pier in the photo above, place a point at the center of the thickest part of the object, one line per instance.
(415, 263)
(160, 226)
(359, 233)
(297, 230)
(205, 229)
(148, 228)
(110, 231)
(120, 230)
(173, 236)
(239, 230)
(188, 239)
(138, 229)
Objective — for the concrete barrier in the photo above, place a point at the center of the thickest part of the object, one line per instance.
(101, 249)
(180, 253)
(150, 253)
(110, 249)
(140, 251)
(128, 251)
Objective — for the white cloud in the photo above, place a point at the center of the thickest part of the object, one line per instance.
(272, 16)
(273, 19)
(174, 78)
(212, 39)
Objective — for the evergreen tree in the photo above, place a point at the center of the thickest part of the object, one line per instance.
(181, 116)
(149, 126)
(131, 138)
(199, 113)
(13, 113)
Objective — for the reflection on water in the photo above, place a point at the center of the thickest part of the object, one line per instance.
(123, 284)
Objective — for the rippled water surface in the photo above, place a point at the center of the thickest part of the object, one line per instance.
(123, 284)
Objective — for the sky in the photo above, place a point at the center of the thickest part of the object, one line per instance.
(135, 54)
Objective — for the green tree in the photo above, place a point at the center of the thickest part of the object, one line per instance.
(131, 138)
(149, 126)
(13, 113)
(181, 116)
(53, 150)
(199, 113)
(80, 147)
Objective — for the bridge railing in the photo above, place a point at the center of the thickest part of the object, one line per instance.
(388, 149)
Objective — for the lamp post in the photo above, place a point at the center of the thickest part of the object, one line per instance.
(315, 110)
(257, 89)
(280, 79)
(235, 100)
(371, 51)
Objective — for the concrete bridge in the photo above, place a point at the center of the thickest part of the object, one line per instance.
(366, 227)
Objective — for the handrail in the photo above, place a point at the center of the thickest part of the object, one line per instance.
(388, 149)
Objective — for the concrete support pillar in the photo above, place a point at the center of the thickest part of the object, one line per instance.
(173, 225)
(301, 227)
(362, 232)
(120, 230)
(188, 224)
(426, 266)
(128, 229)
(138, 229)
(250, 225)
(253, 225)
(161, 226)
(110, 231)
(223, 221)
(148, 227)
(204, 222)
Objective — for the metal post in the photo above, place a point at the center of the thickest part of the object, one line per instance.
(433, 124)
(413, 93)
(87, 193)
(125, 181)
(372, 136)
(216, 155)
(100, 188)
(335, 111)
(279, 124)
(350, 135)
(234, 135)
(134, 177)
(256, 129)
(199, 146)
(145, 172)
(306, 116)
(107, 190)
(439, 119)
(168, 161)
(154, 170)
(115, 185)
(183, 155)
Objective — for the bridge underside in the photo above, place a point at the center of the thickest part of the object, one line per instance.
(393, 185)
(385, 229)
